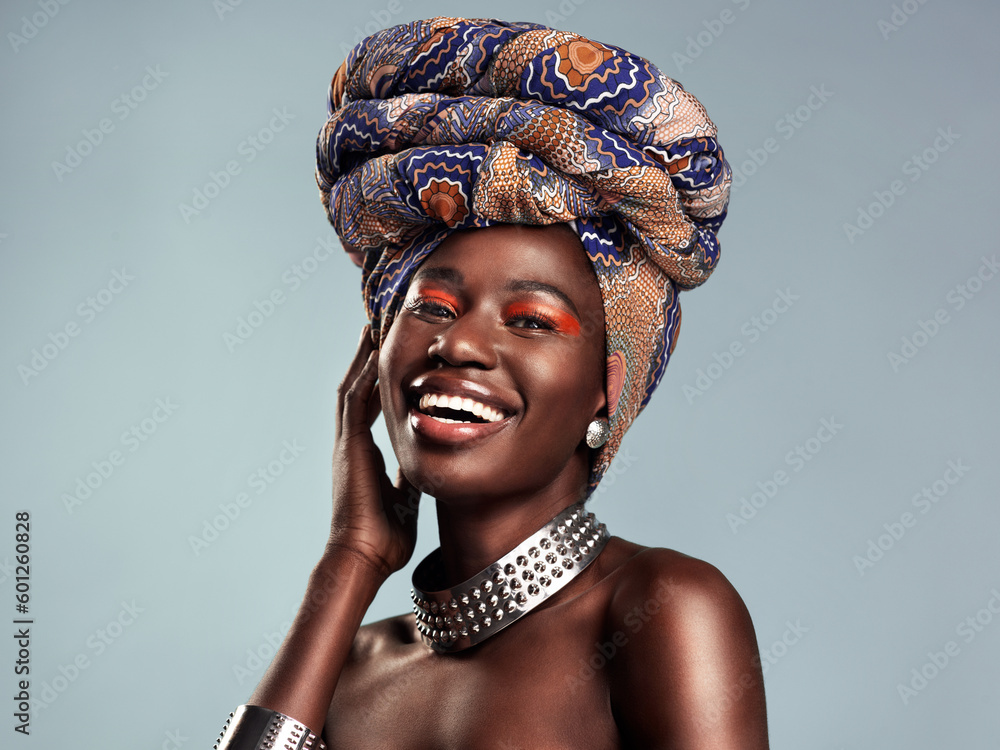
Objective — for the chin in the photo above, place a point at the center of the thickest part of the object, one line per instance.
(455, 477)
(472, 469)
(461, 478)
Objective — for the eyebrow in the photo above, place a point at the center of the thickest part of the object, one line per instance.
(524, 285)
(451, 275)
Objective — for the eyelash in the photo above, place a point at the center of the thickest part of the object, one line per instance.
(432, 306)
(535, 316)
(428, 305)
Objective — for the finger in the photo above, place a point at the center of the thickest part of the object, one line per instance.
(358, 397)
(379, 463)
(353, 372)
(412, 495)
(374, 405)
(403, 484)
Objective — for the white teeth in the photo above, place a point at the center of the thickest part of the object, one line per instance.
(459, 404)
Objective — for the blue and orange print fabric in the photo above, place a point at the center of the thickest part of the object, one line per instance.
(451, 123)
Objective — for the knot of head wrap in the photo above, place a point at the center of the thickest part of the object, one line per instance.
(451, 123)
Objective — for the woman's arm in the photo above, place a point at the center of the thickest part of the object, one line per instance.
(369, 540)
(303, 675)
(689, 676)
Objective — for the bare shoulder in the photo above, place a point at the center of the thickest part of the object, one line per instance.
(654, 577)
(377, 640)
(689, 671)
(377, 654)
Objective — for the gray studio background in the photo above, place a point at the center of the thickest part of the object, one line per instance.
(841, 363)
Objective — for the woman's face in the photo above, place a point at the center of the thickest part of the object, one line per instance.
(494, 366)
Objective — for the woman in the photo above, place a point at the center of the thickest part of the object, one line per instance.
(526, 203)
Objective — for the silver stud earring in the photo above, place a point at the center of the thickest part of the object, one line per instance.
(598, 433)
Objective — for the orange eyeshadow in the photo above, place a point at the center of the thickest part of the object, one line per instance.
(433, 295)
(561, 321)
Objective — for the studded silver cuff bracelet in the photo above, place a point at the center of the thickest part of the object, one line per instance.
(256, 728)
(454, 619)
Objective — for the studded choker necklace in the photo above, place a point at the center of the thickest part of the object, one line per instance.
(453, 619)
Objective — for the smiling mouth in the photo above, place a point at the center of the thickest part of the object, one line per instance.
(457, 410)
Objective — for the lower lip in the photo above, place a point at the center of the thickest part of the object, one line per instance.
(458, 433)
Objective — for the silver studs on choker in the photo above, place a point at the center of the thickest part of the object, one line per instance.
(453, 619)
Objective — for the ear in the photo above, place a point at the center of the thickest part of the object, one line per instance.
(614, 381)
(599, 401)
(600, 409)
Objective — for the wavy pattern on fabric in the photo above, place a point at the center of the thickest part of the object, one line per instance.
(452, 123)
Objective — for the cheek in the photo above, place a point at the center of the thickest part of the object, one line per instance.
(571, 385)
(393, 350)
(586, 367)
(391, 361)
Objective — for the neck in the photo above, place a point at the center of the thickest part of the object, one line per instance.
(474, 535)
(451, 618)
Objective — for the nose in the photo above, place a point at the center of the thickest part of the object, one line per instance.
(467, 341)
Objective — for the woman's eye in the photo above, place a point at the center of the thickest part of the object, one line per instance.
(430, 307)
(531, 318)
(532, 321)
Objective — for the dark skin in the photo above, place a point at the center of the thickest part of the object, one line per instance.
(647, 648)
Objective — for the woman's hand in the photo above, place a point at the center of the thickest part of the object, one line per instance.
(371, 537)
(372, 517)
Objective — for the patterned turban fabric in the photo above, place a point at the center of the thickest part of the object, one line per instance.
(451, 123)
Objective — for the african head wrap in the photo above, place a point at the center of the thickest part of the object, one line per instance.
(451, 123)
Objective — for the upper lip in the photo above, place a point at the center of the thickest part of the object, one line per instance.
(459, 387)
